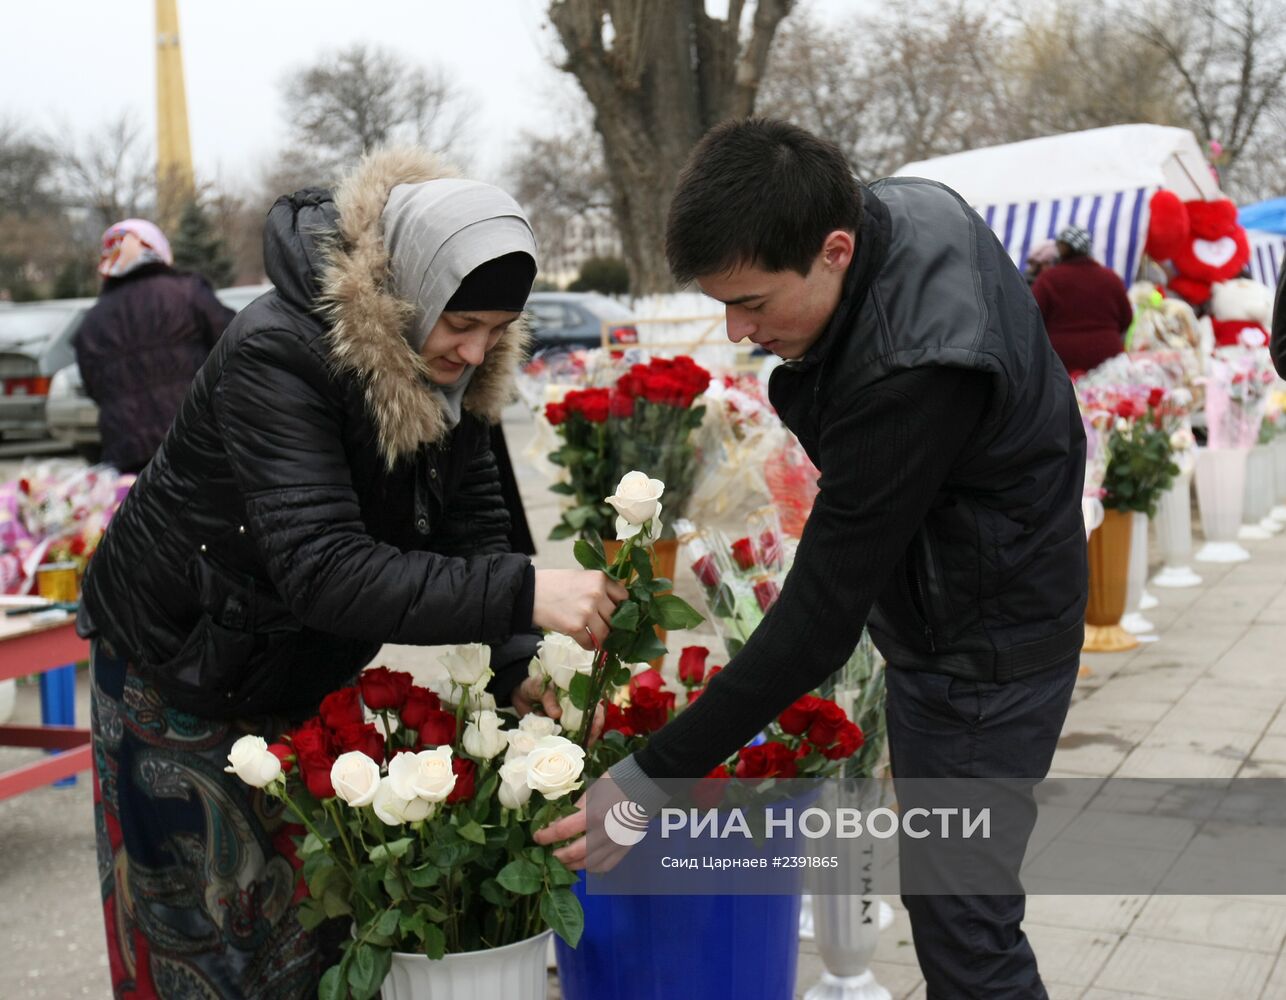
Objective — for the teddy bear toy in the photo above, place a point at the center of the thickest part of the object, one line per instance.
(1241, 311)
(1201, 240)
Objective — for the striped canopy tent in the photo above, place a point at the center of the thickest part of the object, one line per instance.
(1265, 225)
(1100, 180)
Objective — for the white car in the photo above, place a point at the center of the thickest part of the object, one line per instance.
(71, 417)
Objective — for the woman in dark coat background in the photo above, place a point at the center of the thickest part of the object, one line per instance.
(327, 487)
(143, 341)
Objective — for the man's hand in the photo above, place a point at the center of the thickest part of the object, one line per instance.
(577, 602)
(607, 855)
(533, 693)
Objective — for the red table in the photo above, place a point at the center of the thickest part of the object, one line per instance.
(27, 648)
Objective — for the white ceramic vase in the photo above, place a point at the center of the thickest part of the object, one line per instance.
(1258, 504)
(1221, 491)
(1133, 621)
(1174, 535)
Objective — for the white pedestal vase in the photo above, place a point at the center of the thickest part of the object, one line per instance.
(1174, 535)
(515, 972)
(1221, 490)
(847, 930)
(1259, 496)
(1278, 447)
(1133, 621)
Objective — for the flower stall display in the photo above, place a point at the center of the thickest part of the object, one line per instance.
(645, 419)
(54, 512)
(417, 815)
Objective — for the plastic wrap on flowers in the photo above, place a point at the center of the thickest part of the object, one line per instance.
(55, 511)
(1236, 396)
(739, 434)
(792, 480)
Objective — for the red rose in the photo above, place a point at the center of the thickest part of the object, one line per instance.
(316, 771)
(362, 737)
(310, 739)
(743, 554)
(798, 717)
(592, 404)
(340, 707)
(709, 792)
(692, 665)
(77, 546)
(847, 742)
(438, 729)
(710, 674)
(420, 701)
(827, 721)
(766, 594)
(465, 773)
(616, 720)
(650, 709)
(767, 760)
(621, 405)
(771, 552)
(694, 694)
(383, 688)
(647, 679)
(284, 754)
(555, 413)
(706, 571)
(1155, 396)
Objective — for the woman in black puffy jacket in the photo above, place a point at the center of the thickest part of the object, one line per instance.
(327, 487)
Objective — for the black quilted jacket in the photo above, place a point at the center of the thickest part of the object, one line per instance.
(138, 350)
(310, 503)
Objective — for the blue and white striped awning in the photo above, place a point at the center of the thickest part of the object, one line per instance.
(1117, 222)
(1267, 256)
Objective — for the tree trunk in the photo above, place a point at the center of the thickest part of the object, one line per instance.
(664, 75)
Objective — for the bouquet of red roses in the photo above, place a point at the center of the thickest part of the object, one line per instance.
(644, 421)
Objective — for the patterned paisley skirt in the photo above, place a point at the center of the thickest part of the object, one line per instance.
(198, 884)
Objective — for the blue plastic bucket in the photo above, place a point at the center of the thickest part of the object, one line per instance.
(672, 947)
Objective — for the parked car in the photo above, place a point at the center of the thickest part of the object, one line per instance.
(576, 319)
(70, 416)
(35, 343)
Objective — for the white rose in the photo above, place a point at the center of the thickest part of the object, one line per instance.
(561, 659)
(392, 809)
(426, 774)
(468, 664)
(637, 497)
(355, 778)
(644, 534)
(572, 716)
(473, 699)
(250, 761)
(554, 767)
(483, 737)
(539, 725)
(514, 792)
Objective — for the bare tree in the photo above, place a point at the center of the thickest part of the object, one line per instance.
(561, 182)
(1230, 60)
(659, 73)
(108, 172)
(363, 96)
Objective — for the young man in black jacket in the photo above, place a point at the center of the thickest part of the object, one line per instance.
(920, 380)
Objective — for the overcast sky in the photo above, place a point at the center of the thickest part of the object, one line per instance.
(68, 64)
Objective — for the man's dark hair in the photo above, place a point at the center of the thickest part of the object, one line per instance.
(759, 192)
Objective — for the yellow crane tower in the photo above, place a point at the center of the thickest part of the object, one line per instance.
(174, 181)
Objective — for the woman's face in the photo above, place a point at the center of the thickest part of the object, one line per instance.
(462, 338)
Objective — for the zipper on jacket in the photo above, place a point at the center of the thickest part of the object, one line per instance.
(924, 611)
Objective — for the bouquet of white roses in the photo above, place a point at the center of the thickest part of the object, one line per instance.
(418, 812)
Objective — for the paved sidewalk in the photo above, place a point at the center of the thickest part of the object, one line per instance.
(1204, 701)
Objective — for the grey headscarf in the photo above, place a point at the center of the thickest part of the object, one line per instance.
(437, 232)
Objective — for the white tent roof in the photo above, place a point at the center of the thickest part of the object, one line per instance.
(1116, 158)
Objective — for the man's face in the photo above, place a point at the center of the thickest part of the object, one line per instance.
(459, 339)
(784, 312)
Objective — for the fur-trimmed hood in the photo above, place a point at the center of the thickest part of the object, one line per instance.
(368, 320)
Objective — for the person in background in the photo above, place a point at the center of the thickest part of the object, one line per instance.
(327, 487)
(1084, 305)
(1043, 255)
(143, 341)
